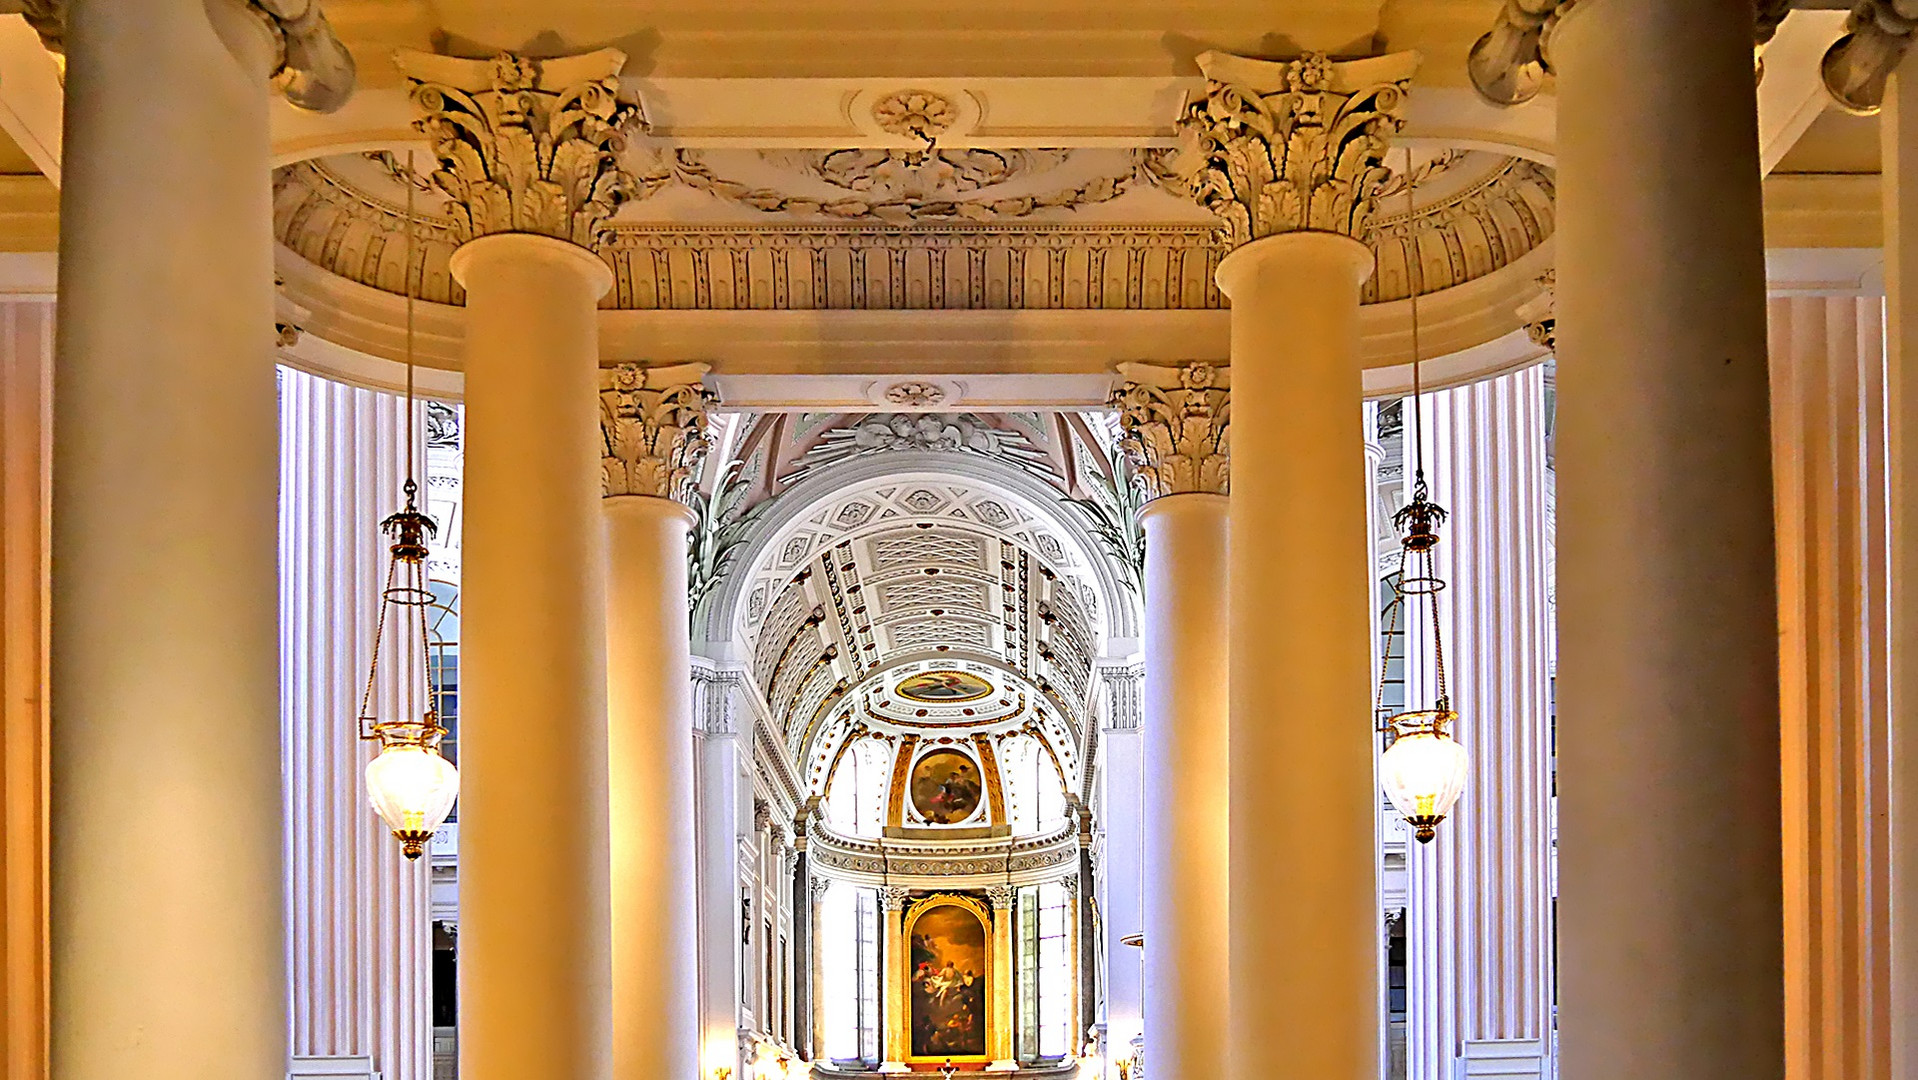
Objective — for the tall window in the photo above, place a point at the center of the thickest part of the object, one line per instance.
(1035, 800)
(849, 977)
(1044, 973)
(856, 800)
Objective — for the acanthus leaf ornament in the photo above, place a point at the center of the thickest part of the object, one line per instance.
(1177, 425)
(527, 145)
(1289, 146)
(653, 421)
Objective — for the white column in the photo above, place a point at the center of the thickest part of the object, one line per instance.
(1899, 139)
(1479, 921)
(1305, 964)
(1828, 427)
(717, 800)
(653, 422)
(535, 987)
(167, 932)
(26, 444)
(1670, 882)
(1122, 859)
(1177, 424)
(359, 946)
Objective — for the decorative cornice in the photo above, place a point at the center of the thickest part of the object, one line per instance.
(527, 145)
(653, 422)
(1286, 146)
(313, 70)
(1177, 424)
(1858, 66)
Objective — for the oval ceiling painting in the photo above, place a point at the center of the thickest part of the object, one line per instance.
(943, 687)
(945, 787)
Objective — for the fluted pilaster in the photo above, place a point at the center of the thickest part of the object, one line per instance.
(26, 436)
(359, 946)
(1479, 930)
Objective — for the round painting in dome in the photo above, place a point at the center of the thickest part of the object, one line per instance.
(943, 687)
(945, 787)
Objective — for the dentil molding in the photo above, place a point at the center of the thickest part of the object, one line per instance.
(1177, 424)
(526, 145)
(1285, 146)
(654, 423)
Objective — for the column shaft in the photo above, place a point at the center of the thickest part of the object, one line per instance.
(26, 444)
(1187, 809)
(1479, 920)
(1304, 862)
(357, 910)
(1668, 671)
(167, 931)
(535, 978)
(718, 804)
(1899, 138)
(649, 744)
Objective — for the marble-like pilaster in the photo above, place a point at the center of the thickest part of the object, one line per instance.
(1177, 424)
(717, 708)
(1479, 917)
(167, 931)
(1122, 867)
(1828, 417)
(1290, 156)
(359, 945)
(26, 457)
(1668, 734)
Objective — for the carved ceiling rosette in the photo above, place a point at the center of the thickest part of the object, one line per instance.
(1177, 424)
(527, 145)
(653, 421)
(1289, 146)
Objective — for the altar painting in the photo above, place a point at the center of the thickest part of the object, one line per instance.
(948, 983)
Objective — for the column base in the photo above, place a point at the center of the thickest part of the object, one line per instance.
(894, 1067)
(335, 1068)
(1519, 1058)
(1003, 1066)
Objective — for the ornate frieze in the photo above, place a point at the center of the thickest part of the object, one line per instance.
(1285, 146)
(653, 421)
(1177, 424)
(1038, 858)
(527, 145)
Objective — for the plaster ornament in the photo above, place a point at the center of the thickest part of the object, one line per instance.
(527, 145)
(1858, 66)
(894, 897)
(1001, 897)
(314, 70)
(915, 114)
(1177, 427)
(915, 395)
(1540, 314)
(654, 423)
(1285, 146)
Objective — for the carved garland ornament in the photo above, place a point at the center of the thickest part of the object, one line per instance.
(519, 154)
(1177, 425)
(653, 421)
(1278, 147)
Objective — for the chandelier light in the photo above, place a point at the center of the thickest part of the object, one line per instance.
(1423, 769)
(409, 783)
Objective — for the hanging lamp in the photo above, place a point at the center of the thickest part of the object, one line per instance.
(1423, 769)
(409, 783)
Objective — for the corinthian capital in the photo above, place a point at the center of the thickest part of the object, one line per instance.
(653, 421)
(1177, 423)
(1859, 65)
(1278, 147)
(526, 145)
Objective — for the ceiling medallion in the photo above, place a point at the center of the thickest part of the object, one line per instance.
(943, 687)
(915, 114)
(915, 395)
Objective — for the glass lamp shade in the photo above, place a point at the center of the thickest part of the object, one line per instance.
(1424, 774)
(412, 788)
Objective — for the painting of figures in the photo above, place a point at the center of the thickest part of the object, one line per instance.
(948, 983)
(945, 787)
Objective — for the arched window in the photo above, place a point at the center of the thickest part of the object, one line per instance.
(849, 977)
(1035, 800)
(856, 799)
